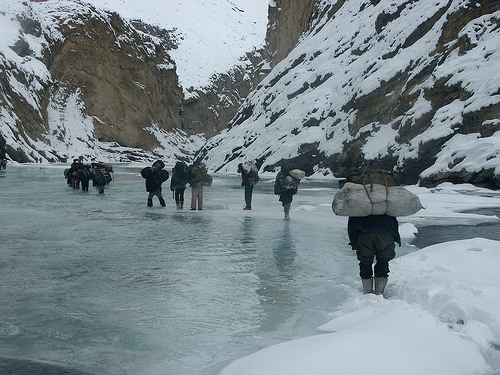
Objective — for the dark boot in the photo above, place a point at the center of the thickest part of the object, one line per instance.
(162, 202)
(150, 202)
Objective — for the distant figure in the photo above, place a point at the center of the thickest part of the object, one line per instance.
(74, 174)
(178, 183)
(286, 185)
(85, 176)
(198, 177)
(102, 176)
(3, 153)
(373, 237)
(249, 178)
(155, 176)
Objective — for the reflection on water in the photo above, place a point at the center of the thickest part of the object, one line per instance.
(284, 251)
(278, 284)
(107, 285)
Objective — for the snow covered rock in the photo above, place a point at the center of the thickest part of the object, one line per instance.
(382, 84)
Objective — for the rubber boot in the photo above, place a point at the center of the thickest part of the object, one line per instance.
(150, 202)
(380, 283)
(367, 286)
(286, 209)
(162, 202)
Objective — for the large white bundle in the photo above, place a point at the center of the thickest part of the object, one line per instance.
(297, 173)
(402, 202)
(353, 200)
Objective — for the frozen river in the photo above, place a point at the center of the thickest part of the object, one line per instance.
(105, 285)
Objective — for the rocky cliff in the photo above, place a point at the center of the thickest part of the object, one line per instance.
(81, 67)
(398, 85)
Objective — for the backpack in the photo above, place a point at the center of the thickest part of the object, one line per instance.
(179, 176)
(207, 179)
(252, 172)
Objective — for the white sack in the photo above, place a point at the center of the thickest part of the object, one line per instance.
(402, 202)
(352, 200)
(297, 173)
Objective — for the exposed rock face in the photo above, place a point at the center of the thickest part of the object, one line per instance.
(127, 82)
(379, 84)
(288, 20)
(209, 110)
(121, 75)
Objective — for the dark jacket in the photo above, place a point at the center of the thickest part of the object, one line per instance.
(372, 223)
(179, 176)
(154, 177)
(282, 185)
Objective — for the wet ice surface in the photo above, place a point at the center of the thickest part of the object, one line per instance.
(433, 234)
(104, 284)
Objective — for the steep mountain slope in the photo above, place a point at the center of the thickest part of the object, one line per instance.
(404, 85)
(79, 80)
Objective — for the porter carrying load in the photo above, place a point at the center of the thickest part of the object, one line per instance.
(375, 194)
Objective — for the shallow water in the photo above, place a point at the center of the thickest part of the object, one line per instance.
(434, 234)
(104, 284)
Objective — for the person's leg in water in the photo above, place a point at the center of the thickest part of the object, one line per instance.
(248, 197)
(286, 201)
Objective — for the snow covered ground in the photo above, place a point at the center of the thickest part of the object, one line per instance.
(441, 314)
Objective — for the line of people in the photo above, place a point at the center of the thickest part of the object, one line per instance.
(372, 237)
(80, 173)
(195, 175)
(286, 183)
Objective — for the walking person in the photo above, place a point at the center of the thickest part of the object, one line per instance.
(198, 177)
(249, 178)
(286, 185)
(102, 176)
(178, 183)
(76, 168)
(85, 176)
(155, 176)
(373, 236)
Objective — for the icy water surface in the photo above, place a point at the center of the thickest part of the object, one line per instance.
(105, 285)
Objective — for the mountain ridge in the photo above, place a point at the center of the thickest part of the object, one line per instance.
(380, 85)
(399, 85)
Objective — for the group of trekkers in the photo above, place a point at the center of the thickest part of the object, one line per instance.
(195, 175)
(372, 236)
(80, 173)
(286, 183)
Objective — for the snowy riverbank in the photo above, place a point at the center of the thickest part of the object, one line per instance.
(441, 314)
